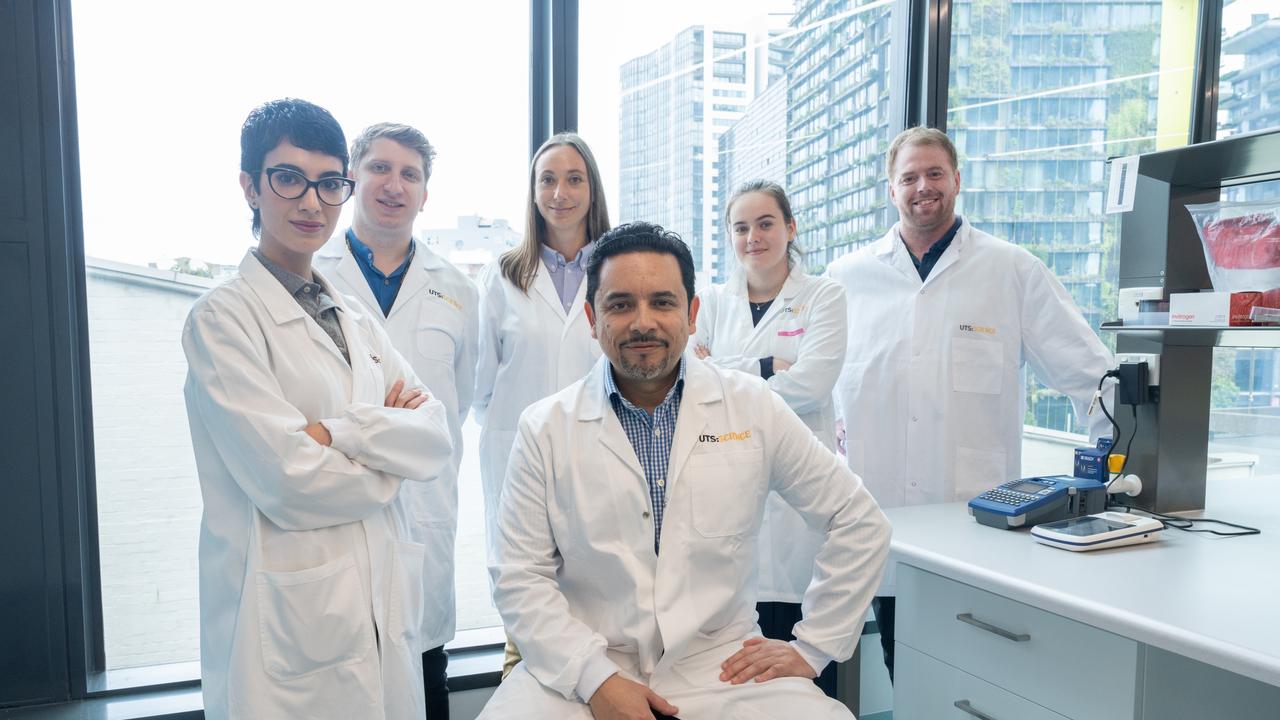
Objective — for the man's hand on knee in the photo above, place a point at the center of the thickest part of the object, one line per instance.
(620, 699)
(761, 660)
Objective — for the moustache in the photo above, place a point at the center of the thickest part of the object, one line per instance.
(650, 338)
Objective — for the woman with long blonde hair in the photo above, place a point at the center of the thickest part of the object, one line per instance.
(534, 335)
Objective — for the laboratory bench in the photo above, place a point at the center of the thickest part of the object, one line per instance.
(992, 625)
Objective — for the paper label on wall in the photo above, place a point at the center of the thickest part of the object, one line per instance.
(1122, 185)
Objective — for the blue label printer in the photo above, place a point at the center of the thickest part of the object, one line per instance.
(1035, 500)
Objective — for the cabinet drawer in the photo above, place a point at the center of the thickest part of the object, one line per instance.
(1067, 666)
(926, 689)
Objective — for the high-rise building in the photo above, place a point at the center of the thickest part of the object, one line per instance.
(838, 126)
(676, 102)
(1042, 92)
(754, 148)
(1250, 98)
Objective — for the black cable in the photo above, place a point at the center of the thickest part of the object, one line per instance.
(1115, 429)
(1188, 524)
(1177, 523)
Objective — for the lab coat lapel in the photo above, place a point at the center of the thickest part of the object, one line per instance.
(416, 278)
(895, 253)
(739, 311)
(360, 355)
(284, 308)
(951, 254)
(546, 289)
(596, 407)
(349, 272)
(700, 387)
(576, 307)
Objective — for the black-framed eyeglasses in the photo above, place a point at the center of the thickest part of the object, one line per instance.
(291, 185)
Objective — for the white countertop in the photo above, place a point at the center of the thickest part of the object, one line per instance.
(1212, 599)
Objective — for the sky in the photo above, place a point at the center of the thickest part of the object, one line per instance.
(164, 87)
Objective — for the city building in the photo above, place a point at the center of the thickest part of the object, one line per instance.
(755, 147)
(676, 102)
(1250, 95)
(838, 113)
(473, 243)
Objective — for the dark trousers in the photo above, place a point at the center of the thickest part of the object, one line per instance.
(776, 622)
(883, 607)
(435, 676)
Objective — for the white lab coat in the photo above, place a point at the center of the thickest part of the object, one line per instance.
(805, 325)
(933, 392)
(529, 348)
(575, 571)
(310, 588)
(433, 323)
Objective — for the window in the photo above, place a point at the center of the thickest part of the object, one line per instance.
(1249, 85)
(1040, 95)
(141, 123)
(813, 78)
(1245, 390)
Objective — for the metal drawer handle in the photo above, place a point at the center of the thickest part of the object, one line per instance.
(970, 619)
(965, 706)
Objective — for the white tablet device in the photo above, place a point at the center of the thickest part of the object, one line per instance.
(1094, 532)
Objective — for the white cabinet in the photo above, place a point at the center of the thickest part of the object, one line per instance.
(929, 688)
(1068, 667)
(970, 654)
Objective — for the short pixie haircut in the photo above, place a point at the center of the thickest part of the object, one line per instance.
(639, 237)
(304, 125)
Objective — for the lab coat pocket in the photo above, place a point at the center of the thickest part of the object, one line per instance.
(434, 342)
(405, 600)
(725, 491)
(312, 620)
(977, 365)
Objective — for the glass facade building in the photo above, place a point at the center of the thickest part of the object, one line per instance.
(676, 103)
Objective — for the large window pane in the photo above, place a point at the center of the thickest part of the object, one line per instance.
(1249, 91)
(1042, 92)
(695, 99)
(161, 98)
(1244, 407)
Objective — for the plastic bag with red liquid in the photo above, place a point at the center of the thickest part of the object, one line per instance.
(1241, 243)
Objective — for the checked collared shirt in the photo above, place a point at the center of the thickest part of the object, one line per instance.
(650, 437)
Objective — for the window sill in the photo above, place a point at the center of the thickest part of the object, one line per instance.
(179, 698)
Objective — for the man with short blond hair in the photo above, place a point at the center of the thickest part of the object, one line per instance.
(430, 310)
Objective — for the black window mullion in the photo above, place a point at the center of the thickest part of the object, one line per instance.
(564, 65)
(1204, 98)
(539, 73)
(938, 68)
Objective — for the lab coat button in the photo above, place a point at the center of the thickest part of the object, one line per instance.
(913, 418)
(645, 514)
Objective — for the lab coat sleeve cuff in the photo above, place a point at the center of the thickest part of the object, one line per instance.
(345, 436)
(817, 659)
(598, 669)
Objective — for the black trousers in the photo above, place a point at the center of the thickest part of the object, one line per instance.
(884, 607)
(776, 621)
(435, 676)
